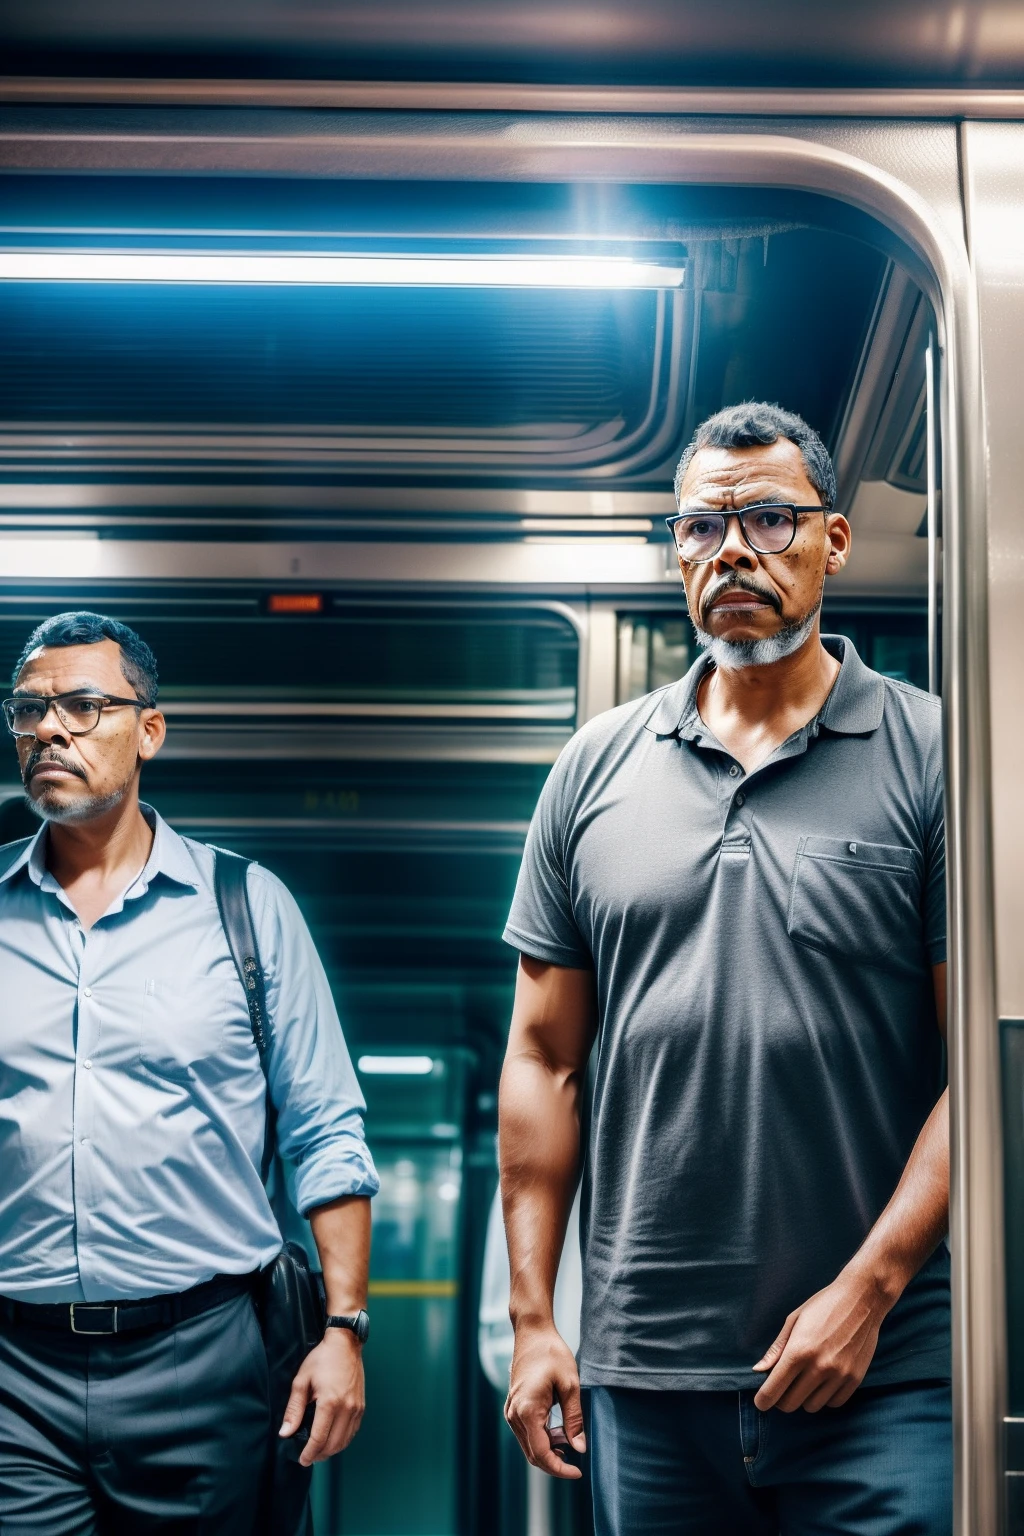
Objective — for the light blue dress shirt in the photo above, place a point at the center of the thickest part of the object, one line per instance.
(132, 1108)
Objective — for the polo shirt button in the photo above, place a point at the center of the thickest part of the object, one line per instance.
(88, 991)
(87, 1065)
(733, 771)
(740, 799)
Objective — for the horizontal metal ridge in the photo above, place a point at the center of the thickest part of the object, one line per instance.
(424, 96)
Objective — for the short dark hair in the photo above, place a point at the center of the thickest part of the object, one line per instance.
(756, 421)
(137, 660)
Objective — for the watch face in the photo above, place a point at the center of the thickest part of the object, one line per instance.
(362, 1327)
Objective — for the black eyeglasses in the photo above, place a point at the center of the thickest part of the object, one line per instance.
(769, 527)
(78, 713)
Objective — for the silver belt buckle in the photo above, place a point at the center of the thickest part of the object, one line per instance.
(93, 1306)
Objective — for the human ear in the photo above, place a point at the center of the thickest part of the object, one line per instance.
(840, 538)
(152, 731)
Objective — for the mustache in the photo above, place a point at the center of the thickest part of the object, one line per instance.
(737, 581)
(49, 755)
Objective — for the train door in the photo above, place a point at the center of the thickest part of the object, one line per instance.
(379, 624)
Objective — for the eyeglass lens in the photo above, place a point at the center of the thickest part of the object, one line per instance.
(767, 529)
(77, 713)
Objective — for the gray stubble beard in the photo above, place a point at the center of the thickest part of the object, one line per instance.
(736, 654)
(78, 810)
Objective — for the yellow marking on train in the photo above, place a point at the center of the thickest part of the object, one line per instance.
(414, 1288)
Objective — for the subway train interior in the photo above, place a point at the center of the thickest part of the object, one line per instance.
(360, 395)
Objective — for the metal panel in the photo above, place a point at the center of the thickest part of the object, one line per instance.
(994, 188)
(994, 185)
(867, 42)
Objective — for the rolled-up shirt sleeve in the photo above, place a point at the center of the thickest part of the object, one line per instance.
(312, 1081)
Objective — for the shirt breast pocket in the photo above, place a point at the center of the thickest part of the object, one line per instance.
(861, 901)
(184, 1024)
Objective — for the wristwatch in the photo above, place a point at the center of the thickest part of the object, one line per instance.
(359, 1323)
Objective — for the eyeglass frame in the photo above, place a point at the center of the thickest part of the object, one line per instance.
(51, 700)
(737, 512)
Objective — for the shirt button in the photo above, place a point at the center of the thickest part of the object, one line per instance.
(84, 1141)
(733, 771)
(740, 799)
(87, 1065)
(853, 847)
(88, 991)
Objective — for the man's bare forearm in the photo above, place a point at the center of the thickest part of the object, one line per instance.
(539, 1155)
(539, 1138)
(917, 1217)
(341, 1231)
(553, 1025)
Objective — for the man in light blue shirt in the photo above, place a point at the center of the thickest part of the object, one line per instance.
(132, 1126)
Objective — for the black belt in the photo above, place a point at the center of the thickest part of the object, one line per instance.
(100, 1318)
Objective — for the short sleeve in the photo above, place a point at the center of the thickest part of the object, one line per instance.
(541, 923)
(935, 864)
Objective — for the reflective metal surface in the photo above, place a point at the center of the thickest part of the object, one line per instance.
(867, 42)
(447, 96)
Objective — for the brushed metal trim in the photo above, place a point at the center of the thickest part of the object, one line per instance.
(456, 96)
(532, 561)
(932, 520)
(382, 742)
(518, 501)
(504, 839)
(286, 709)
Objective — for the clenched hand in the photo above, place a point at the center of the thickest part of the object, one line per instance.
(331, 1376)
(544, 1373)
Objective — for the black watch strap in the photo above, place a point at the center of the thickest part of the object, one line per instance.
(358, 1322)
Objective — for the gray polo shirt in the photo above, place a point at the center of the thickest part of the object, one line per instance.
(768, 1050)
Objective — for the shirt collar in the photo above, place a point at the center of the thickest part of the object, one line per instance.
(28, 848)
(853, 708)
(169, 857)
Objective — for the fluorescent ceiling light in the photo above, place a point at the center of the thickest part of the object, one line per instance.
(235, 267)
(396, 1066)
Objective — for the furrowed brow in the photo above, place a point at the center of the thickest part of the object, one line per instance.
(93, 689)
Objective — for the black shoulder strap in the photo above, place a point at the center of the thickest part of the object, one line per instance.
(229, 880)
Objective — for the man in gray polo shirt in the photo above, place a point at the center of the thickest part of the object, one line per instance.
(733, 898)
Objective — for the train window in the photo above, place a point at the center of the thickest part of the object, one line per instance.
(655, 648)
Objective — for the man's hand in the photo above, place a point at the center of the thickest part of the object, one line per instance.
(544, 1373)
(823, 1352)
(332, 1376)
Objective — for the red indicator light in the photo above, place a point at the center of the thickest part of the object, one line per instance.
(295, 602)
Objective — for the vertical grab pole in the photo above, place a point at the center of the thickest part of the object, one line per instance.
(931, 463)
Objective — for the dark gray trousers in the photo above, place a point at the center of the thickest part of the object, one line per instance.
(134, 1434)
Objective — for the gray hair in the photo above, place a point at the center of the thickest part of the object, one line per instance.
(138, 664)
(756, 422)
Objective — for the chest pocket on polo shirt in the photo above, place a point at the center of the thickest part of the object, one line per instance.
(184, 1023)
(858, 900)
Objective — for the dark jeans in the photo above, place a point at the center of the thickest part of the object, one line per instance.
(134, 1434)
(711, 1464)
